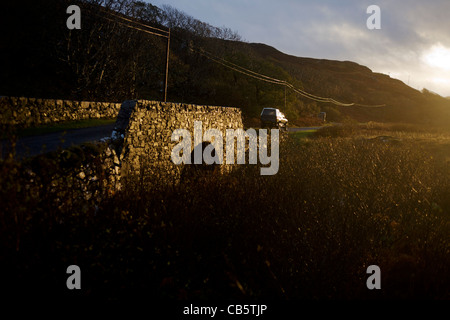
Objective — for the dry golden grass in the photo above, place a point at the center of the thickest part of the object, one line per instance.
(340, 202)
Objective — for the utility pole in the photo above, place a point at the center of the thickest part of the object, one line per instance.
(284, 99)
(167, 67)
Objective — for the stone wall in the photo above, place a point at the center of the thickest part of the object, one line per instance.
(27, 112)
(72, 180)
(144, 129)
(140, 146)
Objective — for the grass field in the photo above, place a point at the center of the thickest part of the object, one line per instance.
(299, 135)
(345, 197)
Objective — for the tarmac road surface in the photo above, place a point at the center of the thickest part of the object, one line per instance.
(34, 145)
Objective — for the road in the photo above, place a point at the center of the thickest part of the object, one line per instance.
(34, 145)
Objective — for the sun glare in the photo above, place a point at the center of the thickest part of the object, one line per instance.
(442, 81)
(438, 56)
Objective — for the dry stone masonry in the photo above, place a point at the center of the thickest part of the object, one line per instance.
(28, 112)
(140, 146)
(144, 130)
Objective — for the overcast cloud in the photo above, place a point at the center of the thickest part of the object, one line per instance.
(413, 44)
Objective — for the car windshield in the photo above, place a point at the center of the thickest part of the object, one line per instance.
(269, 112)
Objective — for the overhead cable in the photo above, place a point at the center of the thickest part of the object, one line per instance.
(238, 68)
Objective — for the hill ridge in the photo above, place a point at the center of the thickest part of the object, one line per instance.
(104, 61)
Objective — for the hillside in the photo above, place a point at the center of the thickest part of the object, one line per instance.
(106, 61)
(348, 82)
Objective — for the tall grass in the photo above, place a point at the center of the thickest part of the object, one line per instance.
(336, 206)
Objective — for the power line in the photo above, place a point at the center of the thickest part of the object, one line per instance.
(231, 65)
(266, 78)
(250, 74)
(139, 29)
(167, 36)
(134, 21)
(282, 82)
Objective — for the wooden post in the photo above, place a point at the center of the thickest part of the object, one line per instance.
(167, 67)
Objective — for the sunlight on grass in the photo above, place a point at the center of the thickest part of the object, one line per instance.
(300, 135)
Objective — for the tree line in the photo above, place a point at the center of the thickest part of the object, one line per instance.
(107, 61)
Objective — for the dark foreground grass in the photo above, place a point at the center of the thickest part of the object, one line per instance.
(336, 206)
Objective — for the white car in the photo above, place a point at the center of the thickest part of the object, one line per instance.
(272, 117)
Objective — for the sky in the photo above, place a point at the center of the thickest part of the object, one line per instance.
(413, 44)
